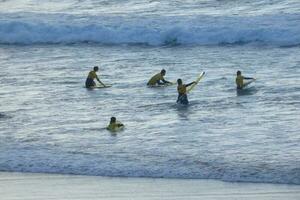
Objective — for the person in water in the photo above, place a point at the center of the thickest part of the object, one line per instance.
(114, 125)
(240, 80)
(89, 83)
(182, 96)
(158, 79)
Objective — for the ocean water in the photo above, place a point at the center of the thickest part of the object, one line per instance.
(50, 123)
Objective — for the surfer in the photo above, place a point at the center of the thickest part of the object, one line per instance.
(89, 83)
(158, 79)
(240, 80)
(181, 88)
(114, 125)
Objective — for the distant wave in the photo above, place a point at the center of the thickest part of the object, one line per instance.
(30, 29)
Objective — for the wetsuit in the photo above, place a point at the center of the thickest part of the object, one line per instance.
(156, 80)
(182, 97)
(90, 79)
(114, 126)
(240, 81)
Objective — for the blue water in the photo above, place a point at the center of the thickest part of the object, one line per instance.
(51, 123)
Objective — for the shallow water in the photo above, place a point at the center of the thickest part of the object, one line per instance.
(51, 123)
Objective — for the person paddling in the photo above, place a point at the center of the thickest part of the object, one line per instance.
(158, 79)
(182, 94)
(89, 83)
(240, 80)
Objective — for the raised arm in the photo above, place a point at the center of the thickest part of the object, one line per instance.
(187, 85)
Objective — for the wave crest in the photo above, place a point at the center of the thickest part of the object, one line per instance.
(199, 30)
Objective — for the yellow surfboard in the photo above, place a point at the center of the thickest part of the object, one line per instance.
(196, 82)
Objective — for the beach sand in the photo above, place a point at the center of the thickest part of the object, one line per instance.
(28, 186)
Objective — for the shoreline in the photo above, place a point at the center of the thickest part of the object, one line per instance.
(29, 186)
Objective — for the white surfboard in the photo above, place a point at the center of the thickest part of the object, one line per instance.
(162, 85)
(196, 82)
(246, 84)
(100, 87)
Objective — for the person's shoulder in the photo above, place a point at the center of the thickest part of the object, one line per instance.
(154, 75)
(93, 73)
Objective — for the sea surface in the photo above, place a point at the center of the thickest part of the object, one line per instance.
(50, 123)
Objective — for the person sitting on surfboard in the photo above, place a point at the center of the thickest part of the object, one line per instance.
(182, 96)
(158, 79)
(240, 80)
(114, 125)
(89, 83)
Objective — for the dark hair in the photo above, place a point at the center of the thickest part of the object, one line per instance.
(96, 68)
(238, 73)
(179, 81)
(112, 119)
(163, 71)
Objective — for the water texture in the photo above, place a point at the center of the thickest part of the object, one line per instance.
(51, 123)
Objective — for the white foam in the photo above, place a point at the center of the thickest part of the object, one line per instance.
(280, 30)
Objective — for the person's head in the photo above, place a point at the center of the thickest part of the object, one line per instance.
(163, 72)
(238, 73)
(113, 120)
(96, 68)
(179, 81)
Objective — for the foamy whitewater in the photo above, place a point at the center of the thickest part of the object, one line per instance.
(51, 123)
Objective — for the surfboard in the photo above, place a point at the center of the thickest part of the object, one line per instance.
(116, 129)
(196, 82)
(99, 87)
(248, 83)
(247, 89)
(162, 85)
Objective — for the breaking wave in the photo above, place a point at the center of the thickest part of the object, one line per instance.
(276, 30)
